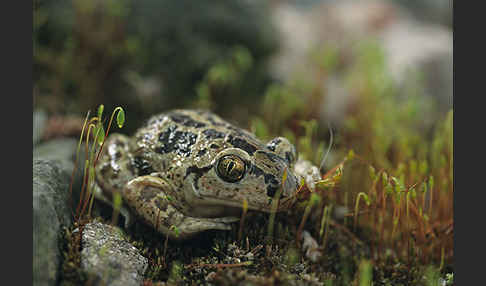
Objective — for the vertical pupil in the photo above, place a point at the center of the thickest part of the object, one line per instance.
(230, 167)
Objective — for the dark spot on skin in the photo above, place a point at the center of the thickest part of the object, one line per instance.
(256, 171)
(176, 141)
(117, 155)
(104, 169)
(114, 150)
(143, 166)
(198, 172)
(242, 144)
(148, 194)
(161, 204)
(213, 121)
(270, 180)
(237, 131)
(271, 190)
(289, 157)
(214, 146)
(201, 152)
(273, 144)
(186, 120)
(213, 134)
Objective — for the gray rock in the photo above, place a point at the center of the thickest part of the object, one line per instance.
(109, 258)
(62, 150)
(50, 212)
(39, 117)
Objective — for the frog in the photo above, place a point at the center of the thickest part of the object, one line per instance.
(187, 171)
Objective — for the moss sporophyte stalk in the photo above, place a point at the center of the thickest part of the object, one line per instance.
(94, 131)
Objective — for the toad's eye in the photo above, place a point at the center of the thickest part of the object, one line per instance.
(231, 168)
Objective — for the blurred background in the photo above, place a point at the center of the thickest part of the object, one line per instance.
(380, 73)
(151, 55)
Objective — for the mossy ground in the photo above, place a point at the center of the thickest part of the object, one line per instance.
(219, 258)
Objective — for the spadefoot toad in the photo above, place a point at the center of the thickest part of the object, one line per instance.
(187, 171)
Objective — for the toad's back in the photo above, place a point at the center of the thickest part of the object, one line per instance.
(188, 137)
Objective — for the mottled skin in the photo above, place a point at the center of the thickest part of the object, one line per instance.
(168, 172)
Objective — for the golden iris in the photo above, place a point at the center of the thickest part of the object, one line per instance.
(231, 168)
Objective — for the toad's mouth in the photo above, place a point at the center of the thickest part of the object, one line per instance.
(265, 205)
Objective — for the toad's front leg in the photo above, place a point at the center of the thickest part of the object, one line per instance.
(152, 198)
